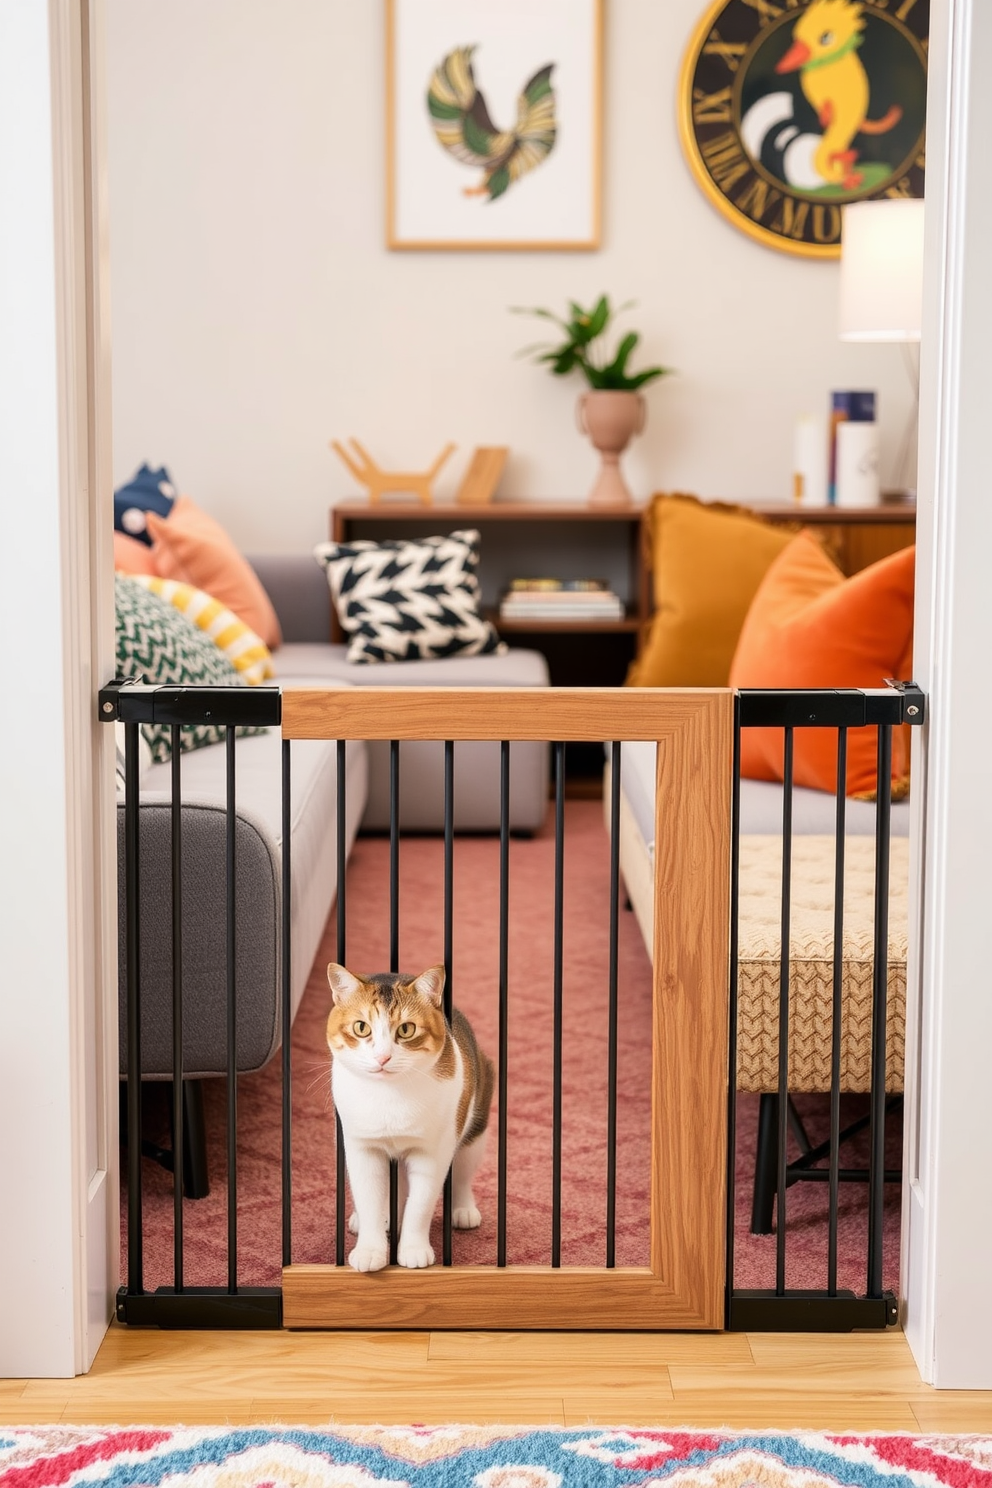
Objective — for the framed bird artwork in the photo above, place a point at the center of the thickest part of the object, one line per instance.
(493, 124)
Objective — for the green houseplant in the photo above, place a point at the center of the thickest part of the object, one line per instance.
(613, 410)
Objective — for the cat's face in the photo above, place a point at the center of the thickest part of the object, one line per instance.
(386, 1025)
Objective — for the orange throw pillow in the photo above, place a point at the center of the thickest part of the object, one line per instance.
(132, 556)
(809, 626)
(191, 547)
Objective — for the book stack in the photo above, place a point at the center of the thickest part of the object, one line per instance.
(561, 599)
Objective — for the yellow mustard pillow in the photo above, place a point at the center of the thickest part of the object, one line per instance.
(708, 559)
(246, 652)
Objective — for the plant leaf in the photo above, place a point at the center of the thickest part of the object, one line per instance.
(642, 377)
(599, 318)
(618, 366)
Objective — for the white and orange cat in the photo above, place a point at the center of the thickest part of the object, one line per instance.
(406, 1086)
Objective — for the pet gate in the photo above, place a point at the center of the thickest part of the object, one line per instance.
(688, 1281)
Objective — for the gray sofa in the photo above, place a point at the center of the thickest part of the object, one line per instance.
(298, 589)
(301, 598)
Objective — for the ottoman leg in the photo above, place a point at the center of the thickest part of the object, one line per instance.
(196, 1181)
(763, 1202)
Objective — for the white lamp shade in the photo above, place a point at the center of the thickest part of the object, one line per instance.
(881, 271)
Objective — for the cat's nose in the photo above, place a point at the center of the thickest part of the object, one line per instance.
(383, 1059)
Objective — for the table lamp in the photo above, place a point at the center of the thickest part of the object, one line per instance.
(881, 289)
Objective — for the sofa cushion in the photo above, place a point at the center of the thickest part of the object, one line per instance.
(409, 600)
(809, 626)
(247, 652)
(156, 641)
(707, 560)
(513, 667)
(191, 547)
(813, 811)
(477, 761)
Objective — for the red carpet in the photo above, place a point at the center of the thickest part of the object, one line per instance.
(475, 970)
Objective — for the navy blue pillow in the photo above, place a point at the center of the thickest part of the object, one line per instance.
(147, 490)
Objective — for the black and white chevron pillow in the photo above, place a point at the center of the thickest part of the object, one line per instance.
(409, 601)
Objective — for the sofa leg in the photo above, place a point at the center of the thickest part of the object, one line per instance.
(765, 1184)
(196, 1180)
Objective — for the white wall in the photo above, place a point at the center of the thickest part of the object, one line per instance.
(948, 1202)
(58, 977)
(257, 312)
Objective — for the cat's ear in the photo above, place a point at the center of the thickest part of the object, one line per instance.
(430, 984)
(342, 983)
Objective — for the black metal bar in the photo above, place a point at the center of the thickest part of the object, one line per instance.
(132, 941)
(826, 708)
(232, 1021)
(341, 949)
(504, 986)
(178, 1187)
(798, 1174)
(559, 754)
(809, 1312)
(837, 1011)
(287, 1006)
(611, 1097)
(449, 919)
(394, 953)
(879, 1010)
(783, 1015)
(394, 855)
(202, 1307)
(735, 867)
(134, 702)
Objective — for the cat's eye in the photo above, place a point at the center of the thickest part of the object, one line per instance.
(361, 1029)
(406, 1030)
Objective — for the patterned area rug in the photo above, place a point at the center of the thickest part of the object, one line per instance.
(482, 1457)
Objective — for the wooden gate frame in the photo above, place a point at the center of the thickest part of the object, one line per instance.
(684, 1285)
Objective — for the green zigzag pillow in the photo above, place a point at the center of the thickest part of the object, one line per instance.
(155, 640)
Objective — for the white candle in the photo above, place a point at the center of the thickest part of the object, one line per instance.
(809, 460)
(857, 465)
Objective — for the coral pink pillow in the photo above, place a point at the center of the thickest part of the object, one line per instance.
(191, 547)
(809, 626)
(132, 556)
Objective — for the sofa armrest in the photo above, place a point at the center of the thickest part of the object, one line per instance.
(257, 930)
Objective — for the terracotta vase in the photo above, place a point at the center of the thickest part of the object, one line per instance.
(610, 419)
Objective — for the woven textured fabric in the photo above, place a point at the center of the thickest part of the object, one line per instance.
(409, 601)
(490, 1456)
(246, 651)
(811, 963)
(158, 643)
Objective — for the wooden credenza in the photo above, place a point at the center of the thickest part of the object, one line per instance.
(570, 541)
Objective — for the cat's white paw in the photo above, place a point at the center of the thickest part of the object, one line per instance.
(468, 1218)
(353, 1224)
(368, 1258)
(415, 1256)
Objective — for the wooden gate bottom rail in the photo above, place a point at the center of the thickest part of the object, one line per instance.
(484, 1297)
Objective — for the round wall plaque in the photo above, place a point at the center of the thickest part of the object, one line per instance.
(788, 109)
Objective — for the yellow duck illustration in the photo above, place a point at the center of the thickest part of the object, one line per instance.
(824, 50)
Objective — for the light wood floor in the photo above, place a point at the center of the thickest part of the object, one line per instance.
(853, 1381)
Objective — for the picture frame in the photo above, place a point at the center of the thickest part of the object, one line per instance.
(494, 124)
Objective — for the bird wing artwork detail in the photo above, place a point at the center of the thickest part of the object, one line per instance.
(461, 121)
